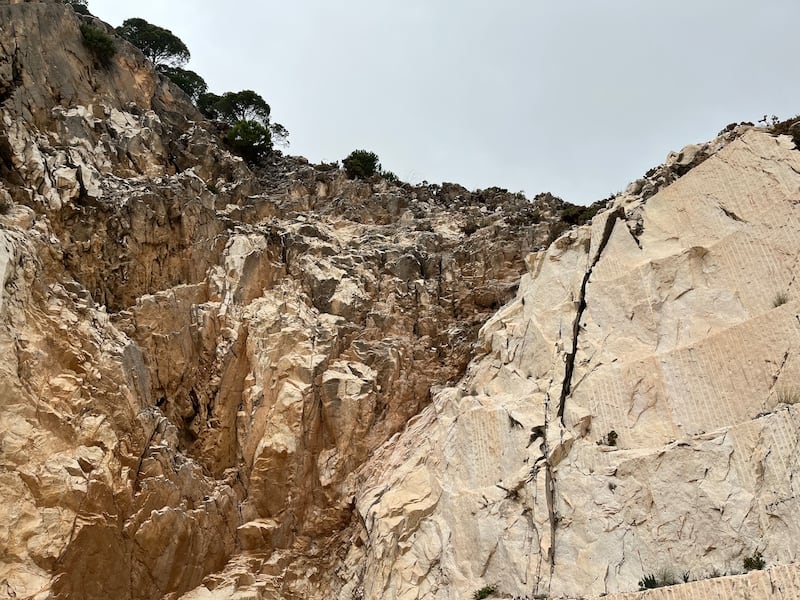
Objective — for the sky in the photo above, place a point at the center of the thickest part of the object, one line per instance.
(577, 98)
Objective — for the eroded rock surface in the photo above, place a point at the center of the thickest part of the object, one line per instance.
(220, 383)
(196, 358)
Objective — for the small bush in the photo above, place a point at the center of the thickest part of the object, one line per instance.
(663, 578)
(609, 439)
(99, 43)
(555, 230)
(470, 227)
(788, 396)
(754, 562)
(789, 127)
(361, 164)
(648, 582)
(484, 592)
(5, 205)
(579, 215)
(780, 299)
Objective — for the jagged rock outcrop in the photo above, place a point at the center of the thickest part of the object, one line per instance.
(221, 383)
(196, 359)
(673, 322)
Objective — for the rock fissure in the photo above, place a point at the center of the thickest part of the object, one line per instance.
(569, 366)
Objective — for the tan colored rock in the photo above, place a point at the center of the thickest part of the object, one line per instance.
(216, 384)
(197, 370)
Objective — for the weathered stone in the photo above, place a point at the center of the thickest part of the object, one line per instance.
(663, 338)
(216, 383)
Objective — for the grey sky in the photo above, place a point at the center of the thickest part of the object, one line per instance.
(573, 97)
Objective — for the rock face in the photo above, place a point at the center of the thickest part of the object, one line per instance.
(197, 359)
(220, 383)
(675, 324)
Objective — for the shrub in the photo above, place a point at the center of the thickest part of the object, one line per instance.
(754, 562)
(609, 439)
(470, 227)
(99, 43)
(648, 582)
(556, 228)
(780, 299)
(361, 164)
(249, 139)
(484, 592)
(5, 204)
(789, 127)
(788, 396)
(579, 215)
(663, 578)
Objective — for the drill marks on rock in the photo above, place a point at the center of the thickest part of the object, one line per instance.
(479, 440)
(764, 457)
(715, 379)
(702, 388)
(605, 403)
(739, 257)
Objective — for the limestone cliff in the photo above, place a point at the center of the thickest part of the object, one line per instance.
(672, 322)
(224, 383)
(197, 358)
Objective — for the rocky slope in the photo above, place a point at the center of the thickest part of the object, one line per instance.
(220, 383)
(196, 358)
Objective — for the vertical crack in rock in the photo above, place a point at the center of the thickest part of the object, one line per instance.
(550, 478)
(569, 367)
(776, 377)
(550, 490)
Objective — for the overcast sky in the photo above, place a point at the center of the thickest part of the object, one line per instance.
(573, 97)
